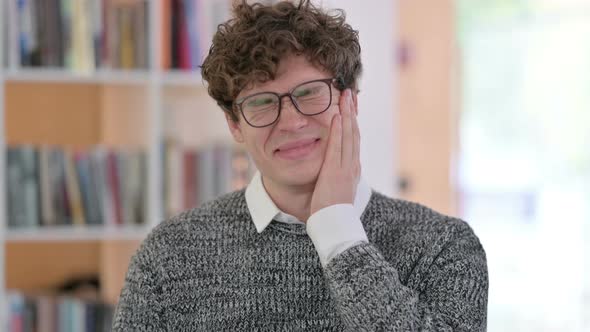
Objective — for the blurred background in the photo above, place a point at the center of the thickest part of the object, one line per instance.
(523, 167)
(477, 108)
(517, 73)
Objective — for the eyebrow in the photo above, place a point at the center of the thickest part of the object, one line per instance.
(237, 101)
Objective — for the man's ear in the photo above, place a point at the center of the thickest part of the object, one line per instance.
(235, 129)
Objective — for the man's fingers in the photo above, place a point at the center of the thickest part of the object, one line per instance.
(356, 140)
(347, 134)
(334, 150)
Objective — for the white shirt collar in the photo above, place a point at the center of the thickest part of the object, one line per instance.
(263, 210)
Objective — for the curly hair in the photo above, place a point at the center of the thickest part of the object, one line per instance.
(247, 48)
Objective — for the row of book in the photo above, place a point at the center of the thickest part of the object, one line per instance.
(49, 186)
(81, 35)
(193, 176)
(188, 28)
(51, 313)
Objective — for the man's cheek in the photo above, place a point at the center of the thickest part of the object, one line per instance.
(327, 119)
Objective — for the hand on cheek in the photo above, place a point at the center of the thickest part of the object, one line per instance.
(341, 169)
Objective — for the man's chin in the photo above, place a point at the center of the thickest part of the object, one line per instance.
(299, 178)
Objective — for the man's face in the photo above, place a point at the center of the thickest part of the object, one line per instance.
(291, 151)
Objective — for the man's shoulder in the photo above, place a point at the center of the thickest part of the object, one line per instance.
(401, 210)
(404, 217)
(230, 204)
(209, 218)
(413, 236)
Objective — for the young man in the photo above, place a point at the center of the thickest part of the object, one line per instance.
(307, 245)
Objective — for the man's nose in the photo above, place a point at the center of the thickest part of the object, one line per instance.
(291, 118)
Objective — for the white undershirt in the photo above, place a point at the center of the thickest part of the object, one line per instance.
(332, 229)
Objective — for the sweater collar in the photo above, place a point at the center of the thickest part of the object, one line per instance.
(263, 210)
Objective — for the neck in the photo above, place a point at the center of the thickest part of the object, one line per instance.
(293, 200)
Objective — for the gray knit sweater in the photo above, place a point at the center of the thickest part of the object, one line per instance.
(209, 270)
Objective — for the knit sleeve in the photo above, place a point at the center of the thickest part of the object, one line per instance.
(452, 296)
(140, 306)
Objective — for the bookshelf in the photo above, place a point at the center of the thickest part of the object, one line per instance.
(82, 108)
(3, 302)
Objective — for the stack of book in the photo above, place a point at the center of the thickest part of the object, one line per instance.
(51, 313)
(194, 176)
(81, 35)
(187, 29)
(49, 186)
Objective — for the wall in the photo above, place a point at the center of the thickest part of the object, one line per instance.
(428, 120)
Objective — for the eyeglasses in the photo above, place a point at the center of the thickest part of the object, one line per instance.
(309, 98)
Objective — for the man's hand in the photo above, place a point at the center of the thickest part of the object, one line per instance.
(341, 169)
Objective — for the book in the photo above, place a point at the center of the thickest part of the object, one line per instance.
(88, 188)
(99, 173)
(79, 35)
(46, 312)
(59, 193)
(82, 37)
(223, 169)
(125, 18)
(188, 28)
(207, 190)
(113, 177)
(193, 176)
(16, 311)
(30, 177)
(174, 179)
(65, 22)
(191, 180)
(22, 190)
(73, 188)
(140, 34)
(48, 214)
(15, 195)
(11, 31)
(166, 37)
(48, 186)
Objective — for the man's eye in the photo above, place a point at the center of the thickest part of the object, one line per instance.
(303, 92)
(308, 92)
(260, 102)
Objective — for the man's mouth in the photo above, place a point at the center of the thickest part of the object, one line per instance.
(297, 149)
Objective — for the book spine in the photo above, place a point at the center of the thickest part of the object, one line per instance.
(66, 30)
(190, 192)
(140, 33)
(206, 174)
(166, 49)
(191, 19)
(73, 187)
(175, 14)
(127, 51)
(114, 187)
(124, 175)
(46, 191)
(30, 187)
(184, 42)
(15, 196)
(96, 13)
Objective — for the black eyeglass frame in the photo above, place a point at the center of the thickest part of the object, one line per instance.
(329, 81)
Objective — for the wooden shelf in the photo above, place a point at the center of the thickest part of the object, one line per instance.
(72, 233)
(182, 78)
(57, 75)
